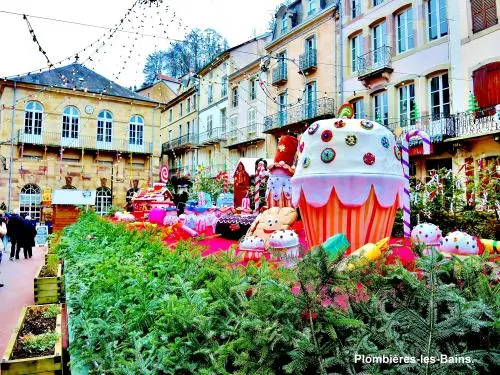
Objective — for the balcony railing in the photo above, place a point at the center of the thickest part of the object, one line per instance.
(185, 141)
(192, 169)
(183, 170)
(308, 62)
(375, 62)
(88, 142)
(446, 126)
(280, 74)
(323, 107)
(212, 136)
(244, 135)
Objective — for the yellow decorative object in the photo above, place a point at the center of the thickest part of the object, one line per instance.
(366, 254)
(491, 246)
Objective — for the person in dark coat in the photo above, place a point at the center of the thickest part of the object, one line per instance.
(28, 239)
(15, 229)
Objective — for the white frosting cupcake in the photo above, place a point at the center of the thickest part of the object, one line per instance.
(283, 239)
(252, 243)
(352, 156)
(459, 243)
(428, 234)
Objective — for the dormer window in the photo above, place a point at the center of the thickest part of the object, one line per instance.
(312, 6)
(284, 23)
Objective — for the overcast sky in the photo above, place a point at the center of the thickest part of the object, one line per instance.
(233, 19)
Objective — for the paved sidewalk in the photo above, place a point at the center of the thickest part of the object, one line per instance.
(18, 278)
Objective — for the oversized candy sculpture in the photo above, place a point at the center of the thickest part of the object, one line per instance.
(460, 243)
(348, 179)
(427, 234)
(279, 188)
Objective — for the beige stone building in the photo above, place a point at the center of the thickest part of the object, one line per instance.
(179, 135)
(414, 64)
(302, 80)
(72, 122)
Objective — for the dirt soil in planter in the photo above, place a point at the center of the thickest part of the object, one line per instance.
(35, 324)
(48, 271)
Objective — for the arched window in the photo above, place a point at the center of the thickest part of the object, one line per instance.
(70, 126)
(30, 199)
(33, 113)
(136, 132)
(104, 129)
(102, 200)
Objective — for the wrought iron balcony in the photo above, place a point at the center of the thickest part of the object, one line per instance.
(463, 125)
(183, 170)
(244, 135)
(87, 142)
(186, 141)
(308, 61)
(280, 74)
(319, 108)
(375, 63)
(212, 136)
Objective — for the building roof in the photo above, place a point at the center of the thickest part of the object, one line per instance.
(227, 51)
(81, 78)
(167, 78)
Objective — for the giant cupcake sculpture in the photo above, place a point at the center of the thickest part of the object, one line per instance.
(348, 179)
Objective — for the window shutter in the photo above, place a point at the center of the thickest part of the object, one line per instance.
(480, 78)
(484, 14)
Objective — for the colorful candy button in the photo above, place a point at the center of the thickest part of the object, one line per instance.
(397, 152)
(301, 147)
(313, 128)
(365, 124)
(339, 124)
(369, 158)
(326, 136)
(327, 155)
(385, 141)
(351, 139)
(307, 162)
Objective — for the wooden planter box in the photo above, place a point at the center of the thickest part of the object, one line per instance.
(50, 364)
(48, 289)
(50, 256)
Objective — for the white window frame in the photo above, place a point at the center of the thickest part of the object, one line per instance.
(223, 119)
(284, 23)
(253, 89)
(441, 105)
(359, 113)
(33, 122)
(210, 125)
(136, 133)
(103, 200)
(434, 7)
(404, 30)
(406, 99)
(234, 97)
(223, 90)
(210, 94)
(356, 51)
(355, 8)
(384, 107)
(105, 124)
(311, 7)
(70, 126)
(252, 120)
(32, 195)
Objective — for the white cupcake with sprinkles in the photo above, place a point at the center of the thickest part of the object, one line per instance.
(348, 179)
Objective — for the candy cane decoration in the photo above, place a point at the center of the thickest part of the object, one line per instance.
(226, 183)
(258, 175)
(426, 141)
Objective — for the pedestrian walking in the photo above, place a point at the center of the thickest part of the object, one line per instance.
(28, 238)
(4, 238)
(3, 234)
(15, 228)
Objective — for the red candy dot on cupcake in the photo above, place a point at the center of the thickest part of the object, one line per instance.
(301, 147)
(339, 124)
(326, 136)
(369, 158)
